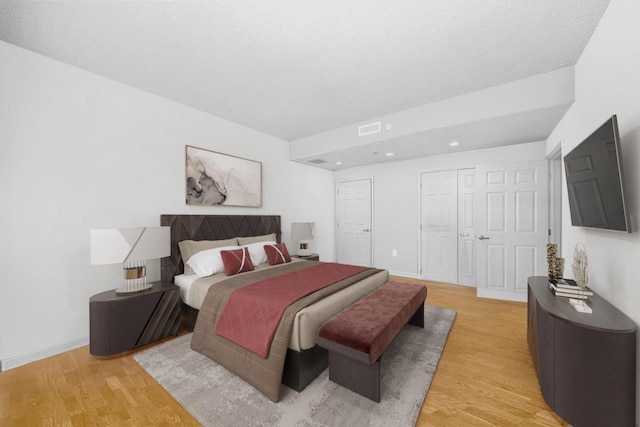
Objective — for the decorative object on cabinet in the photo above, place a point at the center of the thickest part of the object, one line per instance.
(302, 232)
(555, 264)
(581, 265)
(569, 289)
(119, 323)
(552, 251)
(131, 247)
(220, 179)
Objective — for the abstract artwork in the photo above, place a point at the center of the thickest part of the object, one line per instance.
(220, 179)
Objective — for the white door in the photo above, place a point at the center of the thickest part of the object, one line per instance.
(512, 227)
(353, 204)
(439, 225)
(467, 227)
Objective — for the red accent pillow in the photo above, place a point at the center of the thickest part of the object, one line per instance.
(277, 254)
(236, 261)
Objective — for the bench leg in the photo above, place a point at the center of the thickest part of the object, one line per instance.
(418, 317)
(364, 379)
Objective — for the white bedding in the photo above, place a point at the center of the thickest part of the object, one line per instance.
(308, 320)
(184, 282)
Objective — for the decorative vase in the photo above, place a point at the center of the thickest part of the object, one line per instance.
(555, 264)
(580, 265)
(556, 270)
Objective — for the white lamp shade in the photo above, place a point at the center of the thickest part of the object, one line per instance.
(302, 231)
(113, 245)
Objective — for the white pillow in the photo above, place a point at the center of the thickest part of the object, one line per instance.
(208, 262)
(257, 252)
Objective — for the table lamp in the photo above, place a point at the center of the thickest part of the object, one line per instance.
(131, 247)
(302, 232)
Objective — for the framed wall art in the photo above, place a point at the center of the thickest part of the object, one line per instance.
(220, 179)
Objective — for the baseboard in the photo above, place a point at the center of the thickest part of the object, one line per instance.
(14, 362)
(404, 274)
(504, 295)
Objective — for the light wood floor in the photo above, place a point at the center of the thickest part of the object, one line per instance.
(485, 378)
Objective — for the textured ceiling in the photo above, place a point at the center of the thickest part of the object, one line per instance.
(293, 68)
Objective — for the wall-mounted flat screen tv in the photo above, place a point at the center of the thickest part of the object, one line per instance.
(594, 181)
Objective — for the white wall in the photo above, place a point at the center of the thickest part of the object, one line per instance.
(608, 82)
(397, 198)
(79, 151)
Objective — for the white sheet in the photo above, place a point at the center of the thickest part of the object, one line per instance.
(184, 282)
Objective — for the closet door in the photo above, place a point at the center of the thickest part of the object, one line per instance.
(439, 226)
(467, 227)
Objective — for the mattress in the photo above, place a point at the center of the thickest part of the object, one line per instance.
(308, 320)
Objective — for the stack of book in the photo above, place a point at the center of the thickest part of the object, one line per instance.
(569, 289)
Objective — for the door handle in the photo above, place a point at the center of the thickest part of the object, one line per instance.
(481, 237)
(366, 230)
(464, 234)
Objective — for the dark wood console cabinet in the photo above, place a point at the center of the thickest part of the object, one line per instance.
(118, 323)
(586, 363)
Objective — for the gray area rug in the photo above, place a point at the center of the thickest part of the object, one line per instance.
(216, 397)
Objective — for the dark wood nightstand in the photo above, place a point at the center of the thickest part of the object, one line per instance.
(311, 257)
(118, 323)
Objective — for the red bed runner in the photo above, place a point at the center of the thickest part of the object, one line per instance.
(252, 313)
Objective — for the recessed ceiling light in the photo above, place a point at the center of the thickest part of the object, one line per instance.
(454, 143)
(338, 163)
(388, 154)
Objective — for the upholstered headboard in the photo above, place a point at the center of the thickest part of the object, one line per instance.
(211, 227)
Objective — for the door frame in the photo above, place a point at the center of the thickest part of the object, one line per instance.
(371, 180)
(556, 178)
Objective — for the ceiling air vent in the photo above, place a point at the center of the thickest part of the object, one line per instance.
(317, 161)
(369, 129)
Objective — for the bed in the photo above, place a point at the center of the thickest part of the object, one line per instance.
(304, 359)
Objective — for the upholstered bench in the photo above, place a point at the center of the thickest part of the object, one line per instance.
(357, 336)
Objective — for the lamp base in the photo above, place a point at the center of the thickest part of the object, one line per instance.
(135, 278)
(303, 249)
